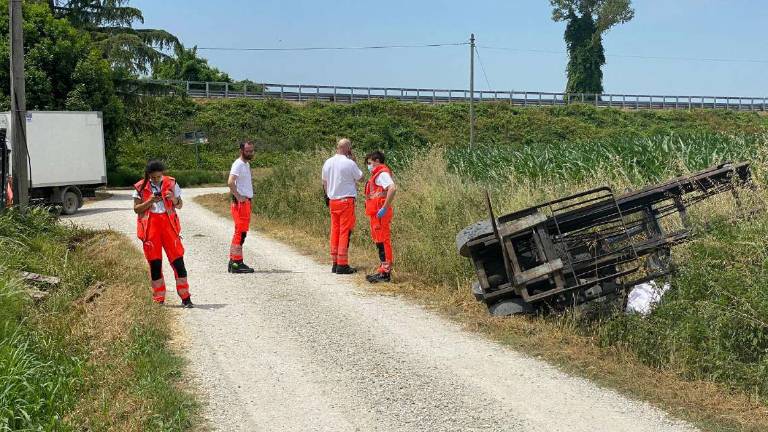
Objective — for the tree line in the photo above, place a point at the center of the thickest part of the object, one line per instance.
(87, 55)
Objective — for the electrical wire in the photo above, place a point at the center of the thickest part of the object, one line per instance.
(482, 67)
(371, 47)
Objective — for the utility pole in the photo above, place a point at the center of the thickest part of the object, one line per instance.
(472, 90)
(18, 108)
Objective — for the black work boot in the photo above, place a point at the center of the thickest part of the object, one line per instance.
(378, 277)
(334, 268)
(238, 267)
(187, 303)
(345, 269)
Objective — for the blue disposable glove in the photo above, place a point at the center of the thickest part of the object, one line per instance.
(382, 212)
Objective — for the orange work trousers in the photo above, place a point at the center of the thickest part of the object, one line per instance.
(342, 223)
(161, 236)
(381, 233)
(241, 215)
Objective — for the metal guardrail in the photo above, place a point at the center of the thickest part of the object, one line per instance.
(351, 94)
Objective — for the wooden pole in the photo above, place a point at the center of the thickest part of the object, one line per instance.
(18, 108)
(472, 90)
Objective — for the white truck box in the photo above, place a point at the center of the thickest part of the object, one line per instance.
(66, 155)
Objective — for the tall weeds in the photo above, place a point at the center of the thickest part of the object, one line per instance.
(711, 325)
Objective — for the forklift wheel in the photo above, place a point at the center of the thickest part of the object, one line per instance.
(515, 306)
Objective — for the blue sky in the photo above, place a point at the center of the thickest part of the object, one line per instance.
(723, 29)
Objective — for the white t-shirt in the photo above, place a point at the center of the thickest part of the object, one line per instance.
(158, 207)
(384, 180)
(340, 174)
(243, 182)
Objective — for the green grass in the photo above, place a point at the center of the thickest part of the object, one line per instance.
(65, 366)
(278, 127)
(712, 324)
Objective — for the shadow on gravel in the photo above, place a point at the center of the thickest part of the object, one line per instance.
(213, 306)
(85, 211)
(275, 271)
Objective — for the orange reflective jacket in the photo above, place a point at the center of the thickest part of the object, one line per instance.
(144, 189)
(375, 195)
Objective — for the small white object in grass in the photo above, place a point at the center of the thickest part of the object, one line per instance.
(644, 296)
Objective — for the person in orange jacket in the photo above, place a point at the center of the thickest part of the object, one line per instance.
(379, 193)
(155, 200)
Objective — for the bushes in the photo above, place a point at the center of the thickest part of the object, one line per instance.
(123, 177)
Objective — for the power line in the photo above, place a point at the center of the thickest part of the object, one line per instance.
(336, 48)
(702, 59)
(482, 67)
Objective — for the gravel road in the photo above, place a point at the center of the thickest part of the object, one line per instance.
(294, 347)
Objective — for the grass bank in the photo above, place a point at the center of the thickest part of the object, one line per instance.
(701, 355)
(93, 355)
(156, 127)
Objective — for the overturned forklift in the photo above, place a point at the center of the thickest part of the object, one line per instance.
(591, 246)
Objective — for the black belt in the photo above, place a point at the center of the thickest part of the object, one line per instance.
(234, 200)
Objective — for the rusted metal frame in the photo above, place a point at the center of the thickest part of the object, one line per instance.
(574, 196)
(504, 252)
(482, 275)
(605, 262)
(597, 198)
(589, 284)
(647, 278)
(560, 233)
(546, 249)
(544, 269)
(522, 224)
(621, 219)
(599, 258)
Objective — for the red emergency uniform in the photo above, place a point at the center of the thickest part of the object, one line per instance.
(241, 215)
(158, 232)
(342, 223)
(9, 193)
(375, 197)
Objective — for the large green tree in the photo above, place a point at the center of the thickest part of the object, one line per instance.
(110, 23)
(186, 65)
(63, 69)
(587, 20)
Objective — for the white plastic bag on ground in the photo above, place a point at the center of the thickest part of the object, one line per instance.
(644, 296)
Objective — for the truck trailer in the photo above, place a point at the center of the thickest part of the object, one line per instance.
(67, 160)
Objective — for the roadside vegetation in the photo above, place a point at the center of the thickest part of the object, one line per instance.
(93, 354)
(702, 354)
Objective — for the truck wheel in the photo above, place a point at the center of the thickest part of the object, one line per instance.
(70, 202)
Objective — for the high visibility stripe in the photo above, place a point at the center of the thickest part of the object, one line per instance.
(182, 289)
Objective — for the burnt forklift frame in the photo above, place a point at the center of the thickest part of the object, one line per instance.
(588, 246)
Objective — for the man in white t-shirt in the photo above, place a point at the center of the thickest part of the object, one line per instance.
(241, 190)
(379, 193)
(340, 176)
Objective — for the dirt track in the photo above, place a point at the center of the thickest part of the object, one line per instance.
(294, 347)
